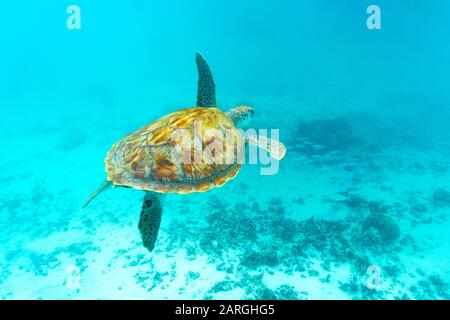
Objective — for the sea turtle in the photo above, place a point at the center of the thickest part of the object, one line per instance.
(145, 159)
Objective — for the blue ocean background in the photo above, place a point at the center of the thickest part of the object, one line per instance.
(360, 206)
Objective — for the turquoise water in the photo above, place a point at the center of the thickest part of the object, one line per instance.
(359, 208)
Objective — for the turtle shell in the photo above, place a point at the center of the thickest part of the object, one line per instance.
(190, 150)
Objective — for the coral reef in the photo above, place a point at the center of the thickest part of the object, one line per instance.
(268, 239)
(336, 134)
(387, 228)
(286, 292)
(441, 198)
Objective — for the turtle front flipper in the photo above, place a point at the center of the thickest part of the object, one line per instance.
(276, 149)
(150, 219)
(206, 91)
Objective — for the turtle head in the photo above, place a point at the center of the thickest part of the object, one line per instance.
(241, 115)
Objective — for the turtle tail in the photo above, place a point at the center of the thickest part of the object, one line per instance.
(99, 190)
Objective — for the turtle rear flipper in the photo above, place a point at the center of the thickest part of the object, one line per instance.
(150, 219)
